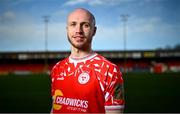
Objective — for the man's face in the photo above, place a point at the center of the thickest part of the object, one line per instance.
(80, 29)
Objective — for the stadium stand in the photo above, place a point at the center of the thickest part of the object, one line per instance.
(134, 61)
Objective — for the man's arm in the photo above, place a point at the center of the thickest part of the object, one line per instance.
(114, 95)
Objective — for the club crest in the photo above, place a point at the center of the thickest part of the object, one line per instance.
(83, 78)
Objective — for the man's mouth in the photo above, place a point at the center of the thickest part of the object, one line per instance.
(79, 37)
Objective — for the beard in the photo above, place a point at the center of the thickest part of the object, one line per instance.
(81, 46)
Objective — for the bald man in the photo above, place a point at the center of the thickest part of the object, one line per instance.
(85, 82)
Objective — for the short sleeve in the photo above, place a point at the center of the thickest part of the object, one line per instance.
(114, 90)
(54, 74)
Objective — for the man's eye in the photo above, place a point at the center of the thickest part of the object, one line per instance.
(73, 24)
(86, 25)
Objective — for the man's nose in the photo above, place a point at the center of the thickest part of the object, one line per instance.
(79, 29)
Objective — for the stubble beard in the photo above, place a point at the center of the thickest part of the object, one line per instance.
(84, 46)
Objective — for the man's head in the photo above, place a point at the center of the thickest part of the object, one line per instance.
(81, 28)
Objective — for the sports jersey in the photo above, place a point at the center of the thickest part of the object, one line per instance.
(91, 84)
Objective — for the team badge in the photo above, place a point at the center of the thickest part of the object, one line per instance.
(83, 78)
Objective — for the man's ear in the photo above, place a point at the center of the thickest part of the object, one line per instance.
(94, 32)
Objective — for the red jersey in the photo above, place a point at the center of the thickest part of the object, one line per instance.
(90, 84)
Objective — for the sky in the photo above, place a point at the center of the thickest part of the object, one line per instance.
(150, 24)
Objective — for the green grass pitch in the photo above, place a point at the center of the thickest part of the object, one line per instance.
(144, 92)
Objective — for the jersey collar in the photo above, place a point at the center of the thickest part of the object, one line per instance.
(83, 59)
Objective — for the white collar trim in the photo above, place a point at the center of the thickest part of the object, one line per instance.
(83, 59)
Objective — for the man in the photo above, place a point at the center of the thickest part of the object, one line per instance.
(85, 81)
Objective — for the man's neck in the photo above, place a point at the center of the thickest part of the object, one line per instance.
(76, 53)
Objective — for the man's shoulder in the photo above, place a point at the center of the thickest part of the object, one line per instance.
(58, 67)
(105, 60)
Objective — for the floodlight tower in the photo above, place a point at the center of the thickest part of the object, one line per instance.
(46, 20)
(124, 18)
